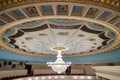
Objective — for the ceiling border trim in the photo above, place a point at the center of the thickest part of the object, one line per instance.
(111, 4)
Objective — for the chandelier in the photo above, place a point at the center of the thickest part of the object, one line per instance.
(59, 65)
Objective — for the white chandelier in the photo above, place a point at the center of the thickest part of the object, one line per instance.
(59, 65)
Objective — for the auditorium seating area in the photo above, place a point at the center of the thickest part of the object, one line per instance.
(13, 70)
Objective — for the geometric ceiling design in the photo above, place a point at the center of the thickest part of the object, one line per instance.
(40, 36)
(82, 27)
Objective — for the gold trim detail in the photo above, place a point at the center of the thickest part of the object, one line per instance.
(111, 4)
(59, 48)
(113, 46)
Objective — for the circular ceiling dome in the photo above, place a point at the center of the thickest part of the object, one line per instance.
(37, 28)
(43, 36)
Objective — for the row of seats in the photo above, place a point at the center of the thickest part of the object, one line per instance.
(11, 73)
(6, 65)
(45, 71)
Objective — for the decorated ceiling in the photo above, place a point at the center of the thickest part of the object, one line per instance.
(38, 29)
(77, 36)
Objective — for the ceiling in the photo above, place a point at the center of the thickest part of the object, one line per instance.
(40, 36)
(32, 32)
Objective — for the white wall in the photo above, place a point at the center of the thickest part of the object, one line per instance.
(83, 68)
(109, 72)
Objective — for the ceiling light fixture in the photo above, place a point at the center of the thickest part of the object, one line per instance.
(59, 65)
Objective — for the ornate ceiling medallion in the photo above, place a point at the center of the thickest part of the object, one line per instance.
(59, 48)
(77, 38)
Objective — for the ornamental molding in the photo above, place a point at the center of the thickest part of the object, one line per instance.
(111, 4)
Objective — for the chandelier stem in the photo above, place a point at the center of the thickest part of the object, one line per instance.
(59, 54)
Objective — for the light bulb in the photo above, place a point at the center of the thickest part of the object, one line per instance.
(75, 77)
(49, 77)
(89, 77)
(82, 77)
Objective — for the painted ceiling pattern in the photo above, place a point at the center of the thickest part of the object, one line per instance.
(60, 9)
(112, 4)
(77, 10)
(39, 36)
(82, 26)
